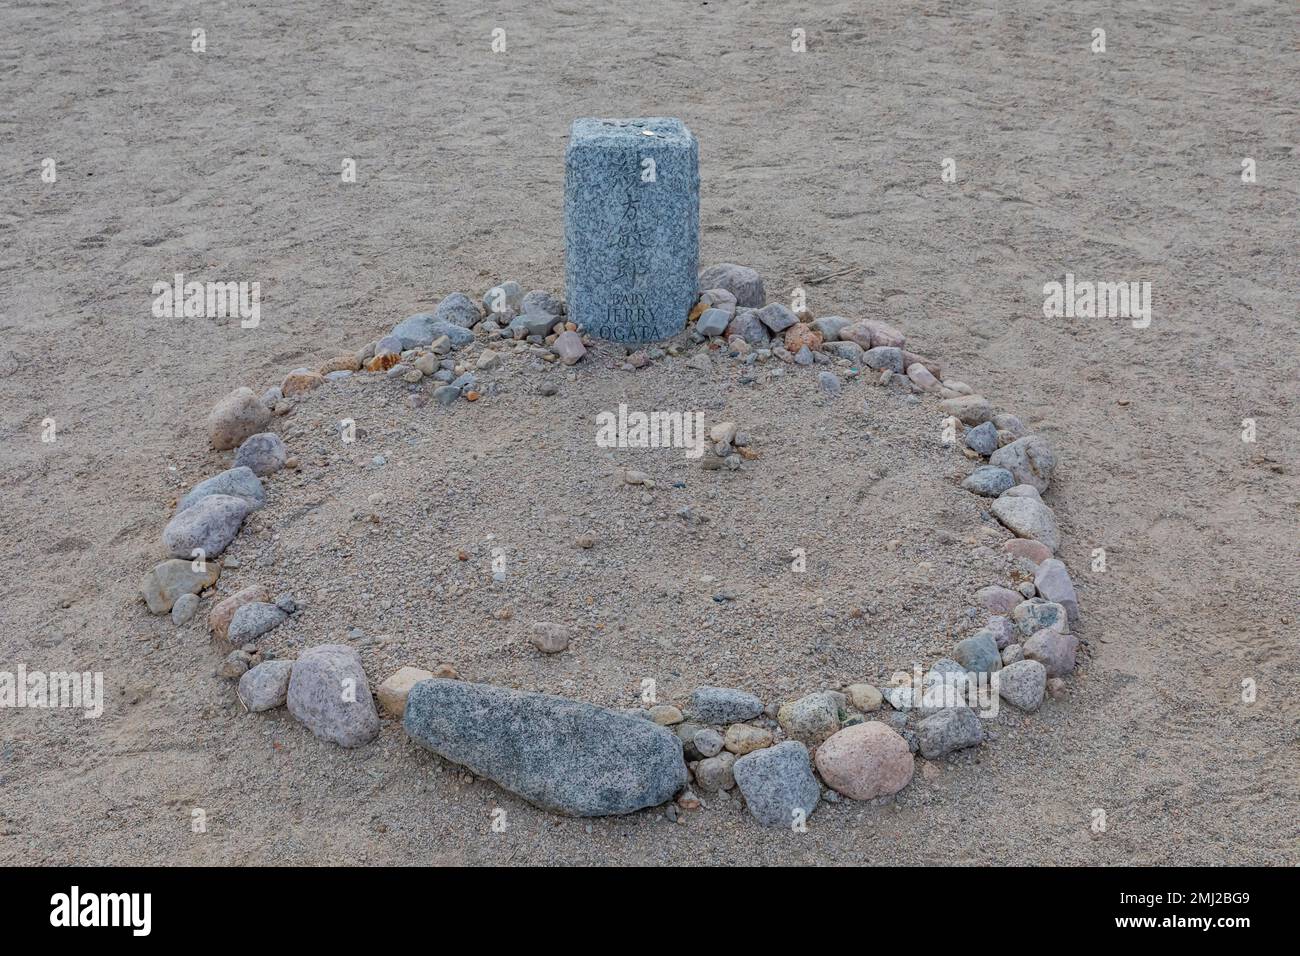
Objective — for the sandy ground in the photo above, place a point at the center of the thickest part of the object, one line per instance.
(1115, 166)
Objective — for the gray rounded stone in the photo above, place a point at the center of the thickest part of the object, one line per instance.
(778, 784)
(266, 685)
(988, 480)
(1022, 684)
(184, 608)
(209, 525)
(504, 299)
(1028, 518)
(235, 417)
(1036, 615)
(458, 309)
(984, 440)
(978, 653)
(329, 695)
(950, 729)
(713, 322)
(252, 620)
(562, 755)
(708, 742)
(776, 317)
(884, 357)
(263, 453)
(1030, 460)
(716, 773)
(723, 705)
(830, 327)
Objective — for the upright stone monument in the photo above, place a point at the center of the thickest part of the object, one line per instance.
(631, 227)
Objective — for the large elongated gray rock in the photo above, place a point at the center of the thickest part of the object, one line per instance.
(1053, 582)
(631, 226)
(208, 525)
(778, 784)
(237, 482)
(329, 694)
(563, 755)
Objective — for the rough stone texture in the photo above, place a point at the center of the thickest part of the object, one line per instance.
(1053, 582)
(506, 299)
(394, 691)
(988, 481)
(778, 784)
(776, 317)
(1028, 518)
(1034, 616)
(236, 482)
(250, 621)
(716, 773)
(422, 329)
(741, 281)
(1022, 684)
(266, 685)
(983, 439)
(708, 742)
(210, 524)
(548, 637)
(1054, 650)
(457, 309)
(747, 325)
(950, 729)
(301, 381)
(802, 336)
(263, 454)
(1029, 459)
(563, 755)
(849, 351)
(997, 599)
(866, 761)
(723, 705)
(741, 739)
(235, 417)
(220, 616)
(978, 653)
(1011, 653)
(329, 694)
(810, 719)
(830, 325)
(1000, 628)
(864, 697)
(713, 322)
(184, 608)
(922, 376)
(1033, 551)
(568, 346)
(969, 410)
(631, 247)
(884, 357)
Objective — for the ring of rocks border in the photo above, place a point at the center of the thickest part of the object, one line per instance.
(580, 759)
